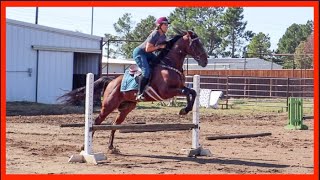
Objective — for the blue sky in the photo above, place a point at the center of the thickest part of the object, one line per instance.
(269, 20)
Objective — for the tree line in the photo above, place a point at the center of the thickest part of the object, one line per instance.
(223, 32)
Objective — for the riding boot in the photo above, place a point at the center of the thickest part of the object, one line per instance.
(143, 81)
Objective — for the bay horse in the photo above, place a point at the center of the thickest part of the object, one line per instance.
(167, 81)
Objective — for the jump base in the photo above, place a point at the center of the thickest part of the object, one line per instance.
(196, 152)
(95, 158)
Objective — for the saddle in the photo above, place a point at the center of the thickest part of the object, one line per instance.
(134, 70)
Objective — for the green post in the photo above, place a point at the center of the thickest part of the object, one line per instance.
(295, 109)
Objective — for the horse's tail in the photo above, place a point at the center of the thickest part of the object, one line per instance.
(77, 96)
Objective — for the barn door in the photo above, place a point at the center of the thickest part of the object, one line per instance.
(55, 72)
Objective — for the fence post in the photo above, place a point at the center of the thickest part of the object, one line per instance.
(227, 91)
(270, 88)
(288, 86)
(245, 87)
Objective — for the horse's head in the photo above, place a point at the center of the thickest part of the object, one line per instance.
(195, 48)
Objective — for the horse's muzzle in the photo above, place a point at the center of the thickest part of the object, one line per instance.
(203, 63)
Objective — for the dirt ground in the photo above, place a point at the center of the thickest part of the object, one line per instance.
(38, 145)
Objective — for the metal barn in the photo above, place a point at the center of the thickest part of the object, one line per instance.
(43, 63)
(115, 66)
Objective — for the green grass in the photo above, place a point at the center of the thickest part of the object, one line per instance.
(31, 108)
(239, 107)
(148, 105)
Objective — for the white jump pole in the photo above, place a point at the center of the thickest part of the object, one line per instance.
(195, 113)
(196, 149)
(87, 155)
(88, 114)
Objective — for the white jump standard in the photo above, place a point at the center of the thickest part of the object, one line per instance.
(87, 155)
(196, 149)
(94, 158)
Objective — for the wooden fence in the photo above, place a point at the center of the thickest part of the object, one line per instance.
(281, 73)
(262, 85)
(257, 87)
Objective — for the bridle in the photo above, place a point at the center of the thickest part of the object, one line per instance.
(197, 56)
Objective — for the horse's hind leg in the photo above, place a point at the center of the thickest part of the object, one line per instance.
(108, 105)
(112, 98)
(106, 109)
(124, 109)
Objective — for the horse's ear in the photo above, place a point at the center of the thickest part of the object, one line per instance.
(184, 32)
(176, 30)
(179, 31)
(186, 36)
(190, 32)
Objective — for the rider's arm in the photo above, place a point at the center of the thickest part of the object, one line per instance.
(150, 47)
(152, 41)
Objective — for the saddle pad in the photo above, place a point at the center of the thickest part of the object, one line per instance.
(128, 82)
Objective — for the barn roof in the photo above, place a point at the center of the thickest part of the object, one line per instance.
(232, 63)
(106, 60)
(51, 29)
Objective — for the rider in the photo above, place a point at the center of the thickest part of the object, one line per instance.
(144, 52)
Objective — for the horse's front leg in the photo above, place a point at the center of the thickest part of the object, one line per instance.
(191, 96)
(189, 93)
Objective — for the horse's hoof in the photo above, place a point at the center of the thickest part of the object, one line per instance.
(183, 112)
(113, 151)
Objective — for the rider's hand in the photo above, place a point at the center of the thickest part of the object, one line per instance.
(161, 46)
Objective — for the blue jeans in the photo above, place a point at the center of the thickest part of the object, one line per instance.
(142, 57)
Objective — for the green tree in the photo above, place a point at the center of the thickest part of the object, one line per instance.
(234, 31)
(301, 59)
(204, 21)
(259, 46)
(291, 39)
(309, 46)
(140, 33)
(124, 25)
(183, 18)
(276, 59)
(112, 46)
(129, 36)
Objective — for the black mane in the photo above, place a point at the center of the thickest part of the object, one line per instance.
(164, 52)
